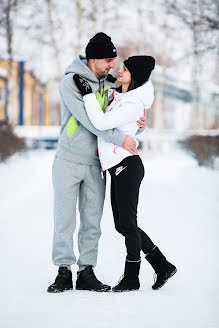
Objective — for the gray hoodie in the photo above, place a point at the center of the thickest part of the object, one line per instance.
(77, 141)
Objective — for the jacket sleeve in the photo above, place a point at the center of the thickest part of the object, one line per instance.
(127, 113)
(74, 101)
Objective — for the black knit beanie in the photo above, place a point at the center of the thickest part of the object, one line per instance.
(140, 67)
(100, 46)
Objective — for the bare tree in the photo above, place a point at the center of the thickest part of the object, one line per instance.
(8, 9)
(79, 25)
(201, 17)
(52, 29)
(93, 15)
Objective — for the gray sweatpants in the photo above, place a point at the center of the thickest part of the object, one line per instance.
(71, 181)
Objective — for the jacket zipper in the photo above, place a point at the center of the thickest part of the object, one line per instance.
(102, 176)
(97, 137)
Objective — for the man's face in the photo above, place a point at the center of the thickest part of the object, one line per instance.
(102, 66)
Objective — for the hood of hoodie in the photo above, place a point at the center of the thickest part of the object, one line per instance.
(142, 93)
(79, 66)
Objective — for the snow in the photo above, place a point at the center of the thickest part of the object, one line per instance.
(178, 208)
(37, 131)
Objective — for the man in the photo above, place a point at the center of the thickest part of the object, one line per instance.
(76, 168)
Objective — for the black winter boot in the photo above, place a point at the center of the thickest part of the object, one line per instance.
(163, 269)
(130, 279)
(63, 281)
(87, 280)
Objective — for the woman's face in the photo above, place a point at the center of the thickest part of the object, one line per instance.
(124, 76)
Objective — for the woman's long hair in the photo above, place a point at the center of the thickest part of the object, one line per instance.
(132, 85)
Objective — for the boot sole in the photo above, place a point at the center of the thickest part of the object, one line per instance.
(125, 290)
(59, 291)
(95, 290)
(171, 275)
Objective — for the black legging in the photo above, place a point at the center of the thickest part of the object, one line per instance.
(126, 179)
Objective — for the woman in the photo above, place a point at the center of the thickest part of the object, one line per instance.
(126, 105)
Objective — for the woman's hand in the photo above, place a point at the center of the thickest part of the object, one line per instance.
(83, 86)
(142, 122)
(129, 144)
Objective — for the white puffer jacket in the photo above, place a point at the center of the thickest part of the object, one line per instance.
(124, 111)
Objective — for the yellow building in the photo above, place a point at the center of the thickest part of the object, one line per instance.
(29, 102)
(2, 97)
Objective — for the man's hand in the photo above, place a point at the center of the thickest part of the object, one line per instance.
(83, 86)
(142, 122)
(129, 144)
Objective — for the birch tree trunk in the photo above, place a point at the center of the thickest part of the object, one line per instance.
(79, 26)
(141, 44)
(53, 39)
(93, 16)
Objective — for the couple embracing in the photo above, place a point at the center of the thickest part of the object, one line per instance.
(98, 133)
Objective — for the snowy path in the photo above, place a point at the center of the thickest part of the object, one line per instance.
(179, 209)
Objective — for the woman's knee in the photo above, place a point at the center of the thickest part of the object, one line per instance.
(117, 226)
(127, 229)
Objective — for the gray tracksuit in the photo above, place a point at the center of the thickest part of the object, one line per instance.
(76, 171)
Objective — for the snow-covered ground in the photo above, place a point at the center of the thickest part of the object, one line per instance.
(178, 208)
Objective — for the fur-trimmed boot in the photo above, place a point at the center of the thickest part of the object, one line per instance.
(130, 280)
(163, 269)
